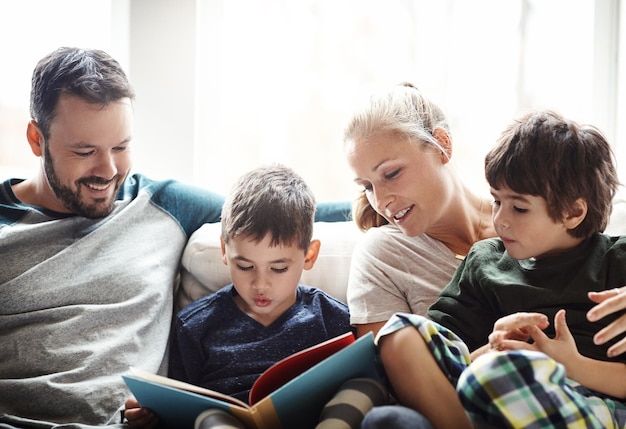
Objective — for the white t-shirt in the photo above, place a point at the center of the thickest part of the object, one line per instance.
(393, 272)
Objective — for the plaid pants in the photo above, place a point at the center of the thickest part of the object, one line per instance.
(514, 389)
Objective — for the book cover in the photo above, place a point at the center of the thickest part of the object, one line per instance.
(289, 395)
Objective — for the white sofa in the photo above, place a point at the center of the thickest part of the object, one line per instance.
(204, 272)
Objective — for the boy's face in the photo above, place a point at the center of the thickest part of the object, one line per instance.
(265, 276)
(523, 224)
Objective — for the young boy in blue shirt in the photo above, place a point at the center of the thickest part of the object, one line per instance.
(226, 340)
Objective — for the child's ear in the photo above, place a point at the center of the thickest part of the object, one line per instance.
(576, 214)
(311, 254)
(223, 248)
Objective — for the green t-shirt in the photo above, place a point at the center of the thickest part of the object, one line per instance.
(490, 284)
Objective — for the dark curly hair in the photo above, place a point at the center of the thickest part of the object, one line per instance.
(546, 155)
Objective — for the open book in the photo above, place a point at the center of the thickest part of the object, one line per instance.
(290, 394)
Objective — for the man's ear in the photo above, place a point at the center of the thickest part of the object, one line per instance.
(223, 248)
(445, 141)
(34, 137)
(311, 254)
(576, 214)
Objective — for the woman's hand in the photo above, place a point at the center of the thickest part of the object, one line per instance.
(609, 302)
(139, 417)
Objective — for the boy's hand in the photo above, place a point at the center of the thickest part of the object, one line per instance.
(517, 329)
(562, 348)
(513, 331)
(609, 302)
(139, 417)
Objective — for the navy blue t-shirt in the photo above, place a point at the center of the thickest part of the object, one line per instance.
(217, 346)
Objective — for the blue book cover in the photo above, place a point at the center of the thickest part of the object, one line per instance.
(296, 404)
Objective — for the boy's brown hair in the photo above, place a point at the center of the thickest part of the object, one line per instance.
(543, 154)
(273, 200)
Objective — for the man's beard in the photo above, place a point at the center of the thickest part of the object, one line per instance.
(71, 199)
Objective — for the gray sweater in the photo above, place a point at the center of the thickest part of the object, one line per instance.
(82, 300)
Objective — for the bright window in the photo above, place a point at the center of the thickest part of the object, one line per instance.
(30, 29)
(286, 83)
(276, 80)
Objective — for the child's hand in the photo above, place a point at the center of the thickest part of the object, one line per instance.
(609, 302)
(562, 348)
(139, 417)
(512, 332)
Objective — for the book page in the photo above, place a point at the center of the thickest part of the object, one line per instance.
(292, 366)
(299, 402)
(155, 378)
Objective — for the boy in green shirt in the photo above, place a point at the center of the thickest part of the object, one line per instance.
(552, 181)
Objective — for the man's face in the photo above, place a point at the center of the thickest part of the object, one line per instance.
(87, 155)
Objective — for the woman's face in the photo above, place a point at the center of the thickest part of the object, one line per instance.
(406, 182)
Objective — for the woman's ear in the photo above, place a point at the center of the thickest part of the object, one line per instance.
(311, 254)
(35, 137)
(576, 214)
(445, 141)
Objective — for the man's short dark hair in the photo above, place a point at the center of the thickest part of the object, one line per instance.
(90, 74)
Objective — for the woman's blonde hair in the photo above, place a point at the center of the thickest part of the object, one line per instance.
(402, 110)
